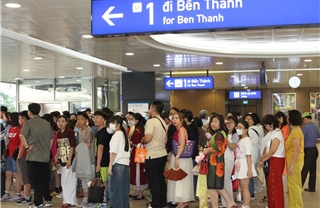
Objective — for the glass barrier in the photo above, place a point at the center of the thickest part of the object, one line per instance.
(36, 90)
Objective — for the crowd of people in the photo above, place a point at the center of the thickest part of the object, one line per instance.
(57, 155)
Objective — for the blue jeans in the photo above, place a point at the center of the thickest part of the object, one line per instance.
(251, 187)
(119, 183)
(11, 165)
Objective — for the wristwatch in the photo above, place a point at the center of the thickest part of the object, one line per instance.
(177, 157)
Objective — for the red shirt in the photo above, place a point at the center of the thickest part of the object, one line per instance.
(14, 139)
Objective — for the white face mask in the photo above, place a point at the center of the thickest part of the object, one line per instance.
(112, 127)
(239, 132)
(205, 121)
(208, 135)
(110, 131)
(170, 118)
(132, 123)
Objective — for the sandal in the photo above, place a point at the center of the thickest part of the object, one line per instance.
(264, 199)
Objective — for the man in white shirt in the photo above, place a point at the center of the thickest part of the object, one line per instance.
(155, 140)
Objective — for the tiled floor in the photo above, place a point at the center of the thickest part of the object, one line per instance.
(310, 200)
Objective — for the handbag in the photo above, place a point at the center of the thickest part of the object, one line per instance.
(140, 154)
(96, 190)
(204, 166)
(260, 175)
(188, 148)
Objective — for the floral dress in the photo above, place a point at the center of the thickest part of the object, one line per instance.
(215, 177)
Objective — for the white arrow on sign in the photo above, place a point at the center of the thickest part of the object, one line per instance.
(169, 83)
(107, 16)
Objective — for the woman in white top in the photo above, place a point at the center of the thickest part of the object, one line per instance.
(274, 152)
(233, 139)
(244, 168)
(119, 170)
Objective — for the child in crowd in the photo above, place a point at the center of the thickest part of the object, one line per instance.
(202, 191)
(103, 138)
(244, 168)
(85, 155)
(66, 143)
(22, 166)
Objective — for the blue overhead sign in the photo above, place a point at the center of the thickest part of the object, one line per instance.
(188, 83)
(249, 94)
(111, 17)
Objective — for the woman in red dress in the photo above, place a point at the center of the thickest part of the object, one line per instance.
(138, 178)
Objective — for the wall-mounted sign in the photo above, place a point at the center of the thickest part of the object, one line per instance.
(111, 17)
(250, 94)
(188, 83)
(141, 108)
(245, 102)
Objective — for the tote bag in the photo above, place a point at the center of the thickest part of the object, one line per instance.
(140, 154)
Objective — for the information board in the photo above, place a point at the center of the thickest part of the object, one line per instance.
(250, 94)
(141, 108)
(111, 17)
(188, 83)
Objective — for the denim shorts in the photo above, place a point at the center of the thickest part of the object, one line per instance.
(11, 165)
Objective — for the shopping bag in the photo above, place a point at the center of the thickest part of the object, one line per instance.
(204, 166)
(96, 190)
(140, 154)
(188, 148)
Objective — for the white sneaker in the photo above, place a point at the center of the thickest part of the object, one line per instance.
(5, 197)
(82, 204)
(60, 196)
(15, 198)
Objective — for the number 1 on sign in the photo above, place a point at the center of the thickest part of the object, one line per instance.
(151, 18)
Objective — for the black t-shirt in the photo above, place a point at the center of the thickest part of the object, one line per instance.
(103, 138)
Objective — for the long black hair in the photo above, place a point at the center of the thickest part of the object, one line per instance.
(119, 120)
(141, 120)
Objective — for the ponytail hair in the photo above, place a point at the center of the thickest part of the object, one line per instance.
(119, 120)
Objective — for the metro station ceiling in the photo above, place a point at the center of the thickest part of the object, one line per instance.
(64, 23)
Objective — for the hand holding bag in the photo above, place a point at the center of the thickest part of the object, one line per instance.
(96, 190)
(140, 154)
(204, 166)
(188, 148)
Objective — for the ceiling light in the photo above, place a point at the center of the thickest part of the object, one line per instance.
(156, 65)
(87, 36)
(17, 78)
(62, 77)
(13, 5)
(233, 76)
(307, 60)
(129, 54)
(37, 81)
(78, 80)
(79, 68)
(299, 75)
(37, 58)
(245, 87)
(239, 81)
(26, 70)
(219, 63)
